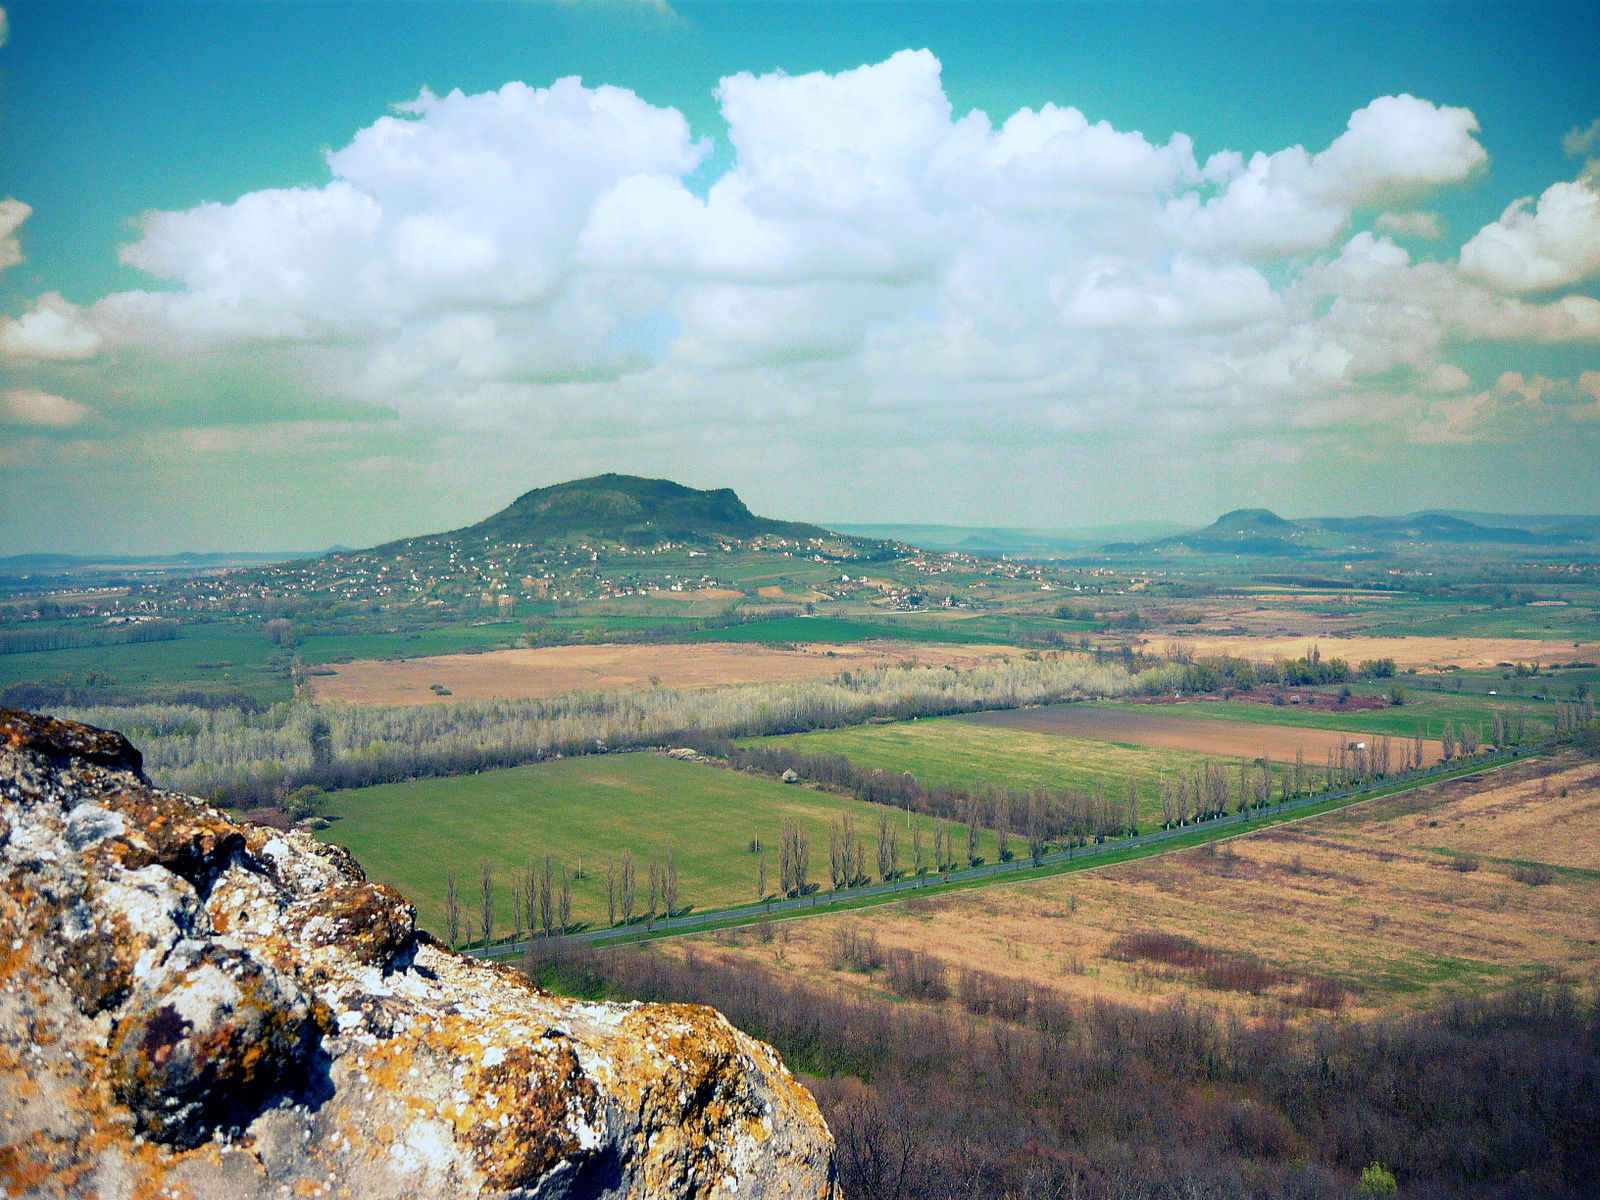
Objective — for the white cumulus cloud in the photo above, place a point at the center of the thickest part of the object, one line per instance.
(486, 262)
(1557, 244)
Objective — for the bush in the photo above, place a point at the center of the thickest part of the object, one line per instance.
(307, 801)
(1377, 1180)
(1378, 668)
(1464, 863)
(1533, 876)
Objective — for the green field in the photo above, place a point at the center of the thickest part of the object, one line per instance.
(423, 643)
(219, 654)
(835, 629)
(1430, 710)
(966, 755)
(411, 835)
(1577, 623)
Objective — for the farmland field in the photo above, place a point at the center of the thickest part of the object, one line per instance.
(1171, 727)
(221, 654)
(1366, 898)
(1423, 709)
(552, 670)
(1411, 651)
(966, 754)
(412, 834)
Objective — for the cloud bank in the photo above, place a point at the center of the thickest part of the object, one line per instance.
(535, 263)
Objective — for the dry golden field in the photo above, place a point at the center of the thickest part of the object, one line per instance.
(1420, 652)
(552, 670)
(1363, 910)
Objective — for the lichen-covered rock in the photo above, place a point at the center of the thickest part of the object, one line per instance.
(197, 1007)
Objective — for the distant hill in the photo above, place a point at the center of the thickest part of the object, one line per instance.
(607, 536)
(994, 540)
(1259, 532)
(628, 508)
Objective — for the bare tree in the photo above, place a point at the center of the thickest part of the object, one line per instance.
(1038, 825)
(884, 821)
(611, 892)
(916, 847)
(1133, 806)
(564, 905)
(452, 909)
(802, 859)
(1002, 827)
(972, 835)
(486, 901)
(1471, 739)
(837, 853)
(625, 891)
(547, 897)
(655, 889)
(761, 870)
(669, 882)
(516, 907)
(786, 840)
(1417, 750)
(1447, 742)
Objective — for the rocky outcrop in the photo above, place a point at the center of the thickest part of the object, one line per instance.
(197, 1007)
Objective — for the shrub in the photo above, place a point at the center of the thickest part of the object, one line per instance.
(1377, 1180)
(1533, 876)
(1464, 863)
(307, 801)
(916, 975)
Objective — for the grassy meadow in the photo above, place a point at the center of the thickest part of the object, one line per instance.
(961, 754)
(412, 835)
(1424, 709)
(219, 654)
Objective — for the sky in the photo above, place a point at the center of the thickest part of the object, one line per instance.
(285, 275)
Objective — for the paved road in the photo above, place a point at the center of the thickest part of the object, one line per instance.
(821, 902)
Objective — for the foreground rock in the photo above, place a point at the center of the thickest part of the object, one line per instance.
(227, 1010)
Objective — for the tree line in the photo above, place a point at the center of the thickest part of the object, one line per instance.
(244, 759)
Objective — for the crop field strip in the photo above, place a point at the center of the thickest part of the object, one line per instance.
(552, 670)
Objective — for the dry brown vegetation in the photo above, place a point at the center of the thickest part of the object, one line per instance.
(554, 670)
(1356, 910)
(1420, 652)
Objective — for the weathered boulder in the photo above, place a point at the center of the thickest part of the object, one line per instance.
(200, 1007)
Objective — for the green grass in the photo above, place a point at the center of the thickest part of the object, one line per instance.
(1577, 623)
(411, 835)
(221, 654)
(969, 755)
(423, 643)
(1429, 709)
(836, 629)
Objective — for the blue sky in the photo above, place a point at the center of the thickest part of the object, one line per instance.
(869, 309)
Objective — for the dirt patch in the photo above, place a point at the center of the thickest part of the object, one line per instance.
(1420, 652)
(1164, 729)
(553, 670)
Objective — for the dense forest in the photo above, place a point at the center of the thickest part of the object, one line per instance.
(1011, 1090)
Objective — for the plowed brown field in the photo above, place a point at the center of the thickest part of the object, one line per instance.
(552, 670)
(1165, 730)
